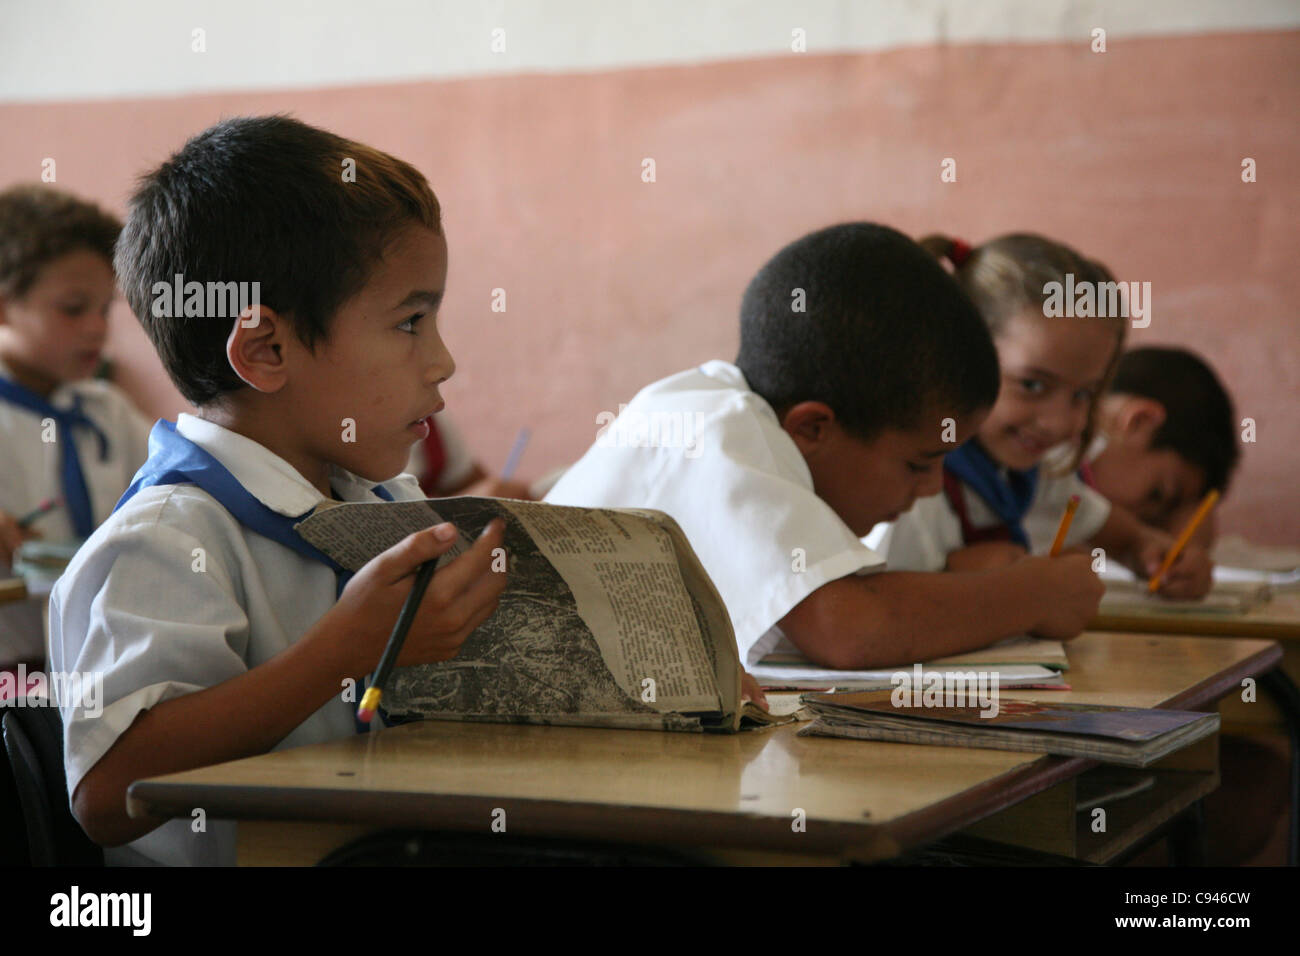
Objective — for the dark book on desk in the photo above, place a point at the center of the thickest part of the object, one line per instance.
(1128, 736)
(608, 619)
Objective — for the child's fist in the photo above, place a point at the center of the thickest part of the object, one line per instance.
(462, 595)
(749, 690)
(1069, 592)
(1191, 574)
(12, 534)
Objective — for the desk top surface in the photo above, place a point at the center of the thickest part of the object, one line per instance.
(864, 798)
(1277, 619)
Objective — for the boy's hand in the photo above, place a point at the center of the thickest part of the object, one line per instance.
(749, 690)
(12, 534)
(462, 595)
(1069, 592)
(987, 554)
(1191, 574)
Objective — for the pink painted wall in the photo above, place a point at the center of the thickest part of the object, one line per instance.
(1133, 156)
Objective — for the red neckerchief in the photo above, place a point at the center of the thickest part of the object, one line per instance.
(952, 489)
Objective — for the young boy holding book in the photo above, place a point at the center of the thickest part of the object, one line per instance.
(861, 363)
(216, 631)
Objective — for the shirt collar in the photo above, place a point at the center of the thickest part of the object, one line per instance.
(726, 373)
(264, 474)
(63, 397)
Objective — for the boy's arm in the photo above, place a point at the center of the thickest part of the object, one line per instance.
(250, 713)
(240, 717)
(901, 617)
(1142, 548)
(984, 556)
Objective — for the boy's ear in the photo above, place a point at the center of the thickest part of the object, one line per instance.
(255, 348)
(810, 424)
(1138, 419)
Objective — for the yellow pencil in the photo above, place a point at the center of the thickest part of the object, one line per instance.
(1070, 508)
(1206, 504)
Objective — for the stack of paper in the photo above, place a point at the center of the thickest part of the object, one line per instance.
(1128, 736)
(1019, 662)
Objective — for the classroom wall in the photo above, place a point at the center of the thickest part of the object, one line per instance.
(1133, 155)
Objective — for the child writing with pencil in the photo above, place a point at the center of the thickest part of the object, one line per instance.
(999, 501)
(71, 442)
(861, 363)
(217, 631)
(1167, 436)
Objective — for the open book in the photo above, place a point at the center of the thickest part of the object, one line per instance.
(1131, 597)
(608, 619)
(1128, 736)
(1236, 559)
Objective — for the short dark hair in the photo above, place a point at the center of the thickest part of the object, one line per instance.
(884, 333)
(266, 199)
(39, 224)
(1200, 423)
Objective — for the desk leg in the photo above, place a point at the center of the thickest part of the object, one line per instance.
(1187, 843)
(1287, 698)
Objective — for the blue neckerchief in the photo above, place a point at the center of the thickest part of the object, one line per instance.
(175, 460)
(1008, 496)
(76, 496)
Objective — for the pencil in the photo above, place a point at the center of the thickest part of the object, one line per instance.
(370, 700)
(516, 452)
(1070, 508)
(1172, 555)
(45, 507)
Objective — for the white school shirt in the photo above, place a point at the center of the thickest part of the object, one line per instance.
(33, 468)
(33, 471)
(923, 537)
(132, 609)
(703, 447)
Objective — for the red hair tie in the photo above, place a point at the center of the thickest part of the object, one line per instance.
(959, 252)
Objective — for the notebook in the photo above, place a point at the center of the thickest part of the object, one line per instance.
(1127, 736)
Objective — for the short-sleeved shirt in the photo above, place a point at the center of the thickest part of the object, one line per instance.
(172, 595)
(33, 467)
(704, 448)
(922, 538)
(33, 471)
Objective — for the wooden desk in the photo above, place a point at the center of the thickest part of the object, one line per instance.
(12, 589)
(733, 796)
(1279, 619)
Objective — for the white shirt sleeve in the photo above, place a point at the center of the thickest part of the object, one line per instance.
(145, 625)
(1045, 513)
(741, 492)
(921, 539)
